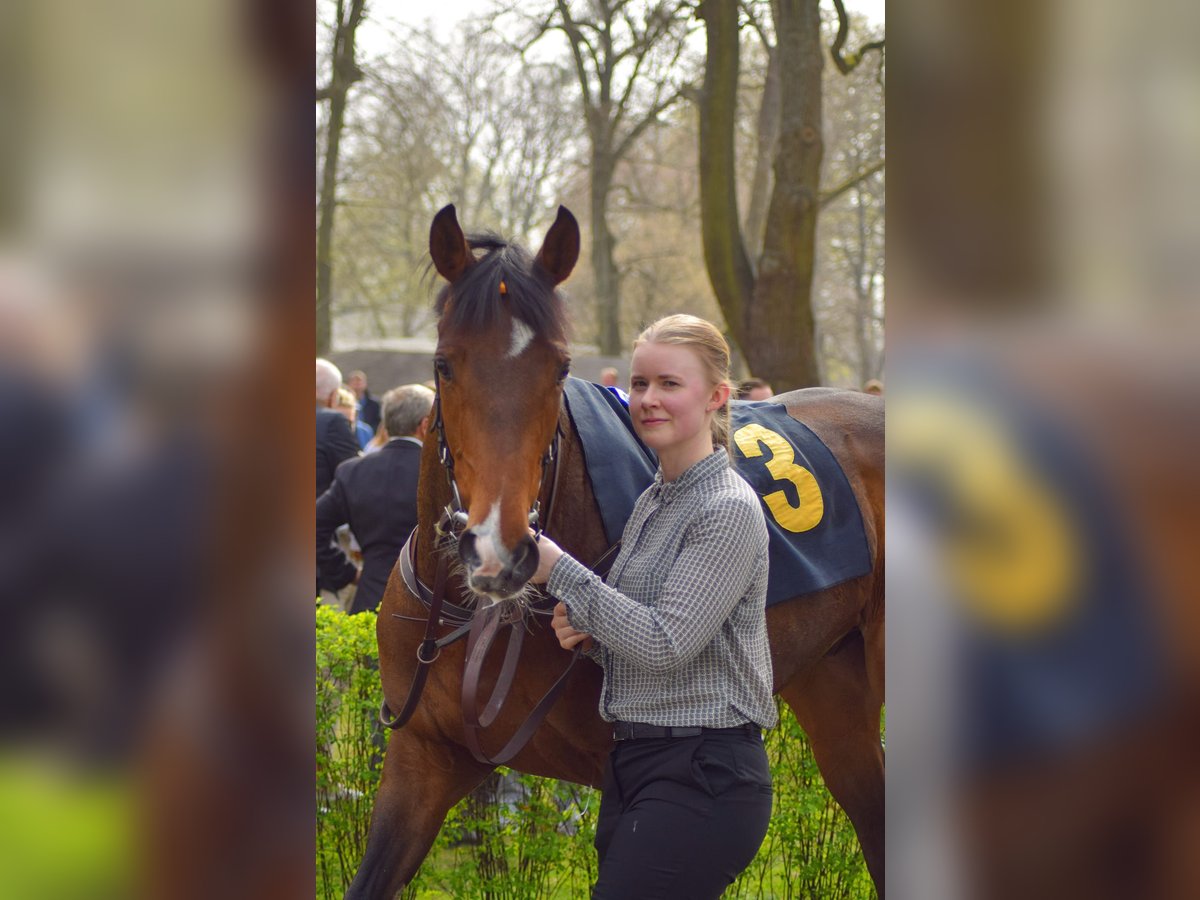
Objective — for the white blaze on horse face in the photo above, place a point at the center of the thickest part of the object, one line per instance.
(487, 545)
(522, 334)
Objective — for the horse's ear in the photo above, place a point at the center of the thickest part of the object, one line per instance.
(448, 245)
(560, 250)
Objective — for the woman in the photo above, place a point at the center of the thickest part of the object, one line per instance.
(680, 631)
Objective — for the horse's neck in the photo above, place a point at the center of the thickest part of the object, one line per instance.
(575, 522)
(433, 494)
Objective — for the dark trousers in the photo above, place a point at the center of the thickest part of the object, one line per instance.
(681, 817)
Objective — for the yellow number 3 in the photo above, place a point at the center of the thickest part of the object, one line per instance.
(782, 467)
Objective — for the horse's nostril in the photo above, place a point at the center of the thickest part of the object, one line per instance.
(466, 550)
(525, 559)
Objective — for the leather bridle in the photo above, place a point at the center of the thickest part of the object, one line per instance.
(455, 515)
(481, 627)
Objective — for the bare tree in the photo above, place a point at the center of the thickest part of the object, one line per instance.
(850, 264)
(768, 303)
(435, 121)
(343, 73)
(626, 57)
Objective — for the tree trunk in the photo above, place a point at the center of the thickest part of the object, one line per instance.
(780, 330)
(343, 73)
(604, 267)
(724, 251)
(769, 312)
(768, 140)
(326, 208)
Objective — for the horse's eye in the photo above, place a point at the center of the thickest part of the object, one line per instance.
(564, 372)
(442, 367)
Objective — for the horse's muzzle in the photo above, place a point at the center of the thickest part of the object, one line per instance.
(494, 571)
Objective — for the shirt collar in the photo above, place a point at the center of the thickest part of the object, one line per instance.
(715, 462)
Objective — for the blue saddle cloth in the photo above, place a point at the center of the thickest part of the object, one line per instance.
(830, 550)
(831, 546)
(1042, 666)
(619, 465)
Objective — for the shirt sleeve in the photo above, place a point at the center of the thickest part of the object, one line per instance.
(707, 579)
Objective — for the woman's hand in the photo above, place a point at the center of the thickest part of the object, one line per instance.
(568, 637)
(548, 554)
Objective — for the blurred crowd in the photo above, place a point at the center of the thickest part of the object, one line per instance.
(367, 482)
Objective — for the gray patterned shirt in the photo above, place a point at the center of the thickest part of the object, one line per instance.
(681, 627)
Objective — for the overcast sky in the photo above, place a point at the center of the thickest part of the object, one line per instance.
(445, 13)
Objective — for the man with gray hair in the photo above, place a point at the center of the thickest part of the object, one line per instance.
(377, 495)
(335, 441)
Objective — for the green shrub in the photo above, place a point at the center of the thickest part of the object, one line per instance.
(348, 758)
(518, 837)
(810, 849)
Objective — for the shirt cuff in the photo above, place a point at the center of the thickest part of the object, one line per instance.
(573, 583)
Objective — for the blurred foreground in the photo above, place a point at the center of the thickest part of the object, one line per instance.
(1043, 439)
(156, 712)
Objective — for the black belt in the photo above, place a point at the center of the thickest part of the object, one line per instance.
(633, 731)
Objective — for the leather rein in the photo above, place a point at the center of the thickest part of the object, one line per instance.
(480, 627)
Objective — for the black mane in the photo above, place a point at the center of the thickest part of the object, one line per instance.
(529, 293)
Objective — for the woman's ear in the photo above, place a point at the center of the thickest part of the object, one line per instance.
(719, 395)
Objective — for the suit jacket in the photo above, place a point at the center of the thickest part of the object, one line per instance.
(377, 496)
(368, 411)
(335, 443)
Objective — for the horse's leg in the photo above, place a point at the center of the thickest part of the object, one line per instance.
(422, 779)
(838, 708)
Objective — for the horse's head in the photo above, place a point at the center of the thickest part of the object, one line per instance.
(501, 362)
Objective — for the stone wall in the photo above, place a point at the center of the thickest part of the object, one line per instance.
(387, 369)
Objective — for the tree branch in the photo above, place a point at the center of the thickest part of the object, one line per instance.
(757, 25)
(846, 63)
(829, 196)
(575, 38)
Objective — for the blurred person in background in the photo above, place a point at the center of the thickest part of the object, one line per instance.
(335, 440)
(377, 440)
(755, 389)
(377, 496)
(368, 406)
(347, 405)
(609, 378)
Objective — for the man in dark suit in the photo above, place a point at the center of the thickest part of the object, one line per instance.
(377, 495)
(335, 441)
(368, 407)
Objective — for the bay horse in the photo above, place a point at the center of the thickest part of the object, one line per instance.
(501, 362)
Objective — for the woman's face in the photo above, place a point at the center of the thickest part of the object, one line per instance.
(670, 398)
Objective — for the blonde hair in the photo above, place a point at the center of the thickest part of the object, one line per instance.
(346, 399)
(703, 339)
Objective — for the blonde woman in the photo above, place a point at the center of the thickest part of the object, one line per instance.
(680, 631)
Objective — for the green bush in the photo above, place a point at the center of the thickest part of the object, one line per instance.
(518, 837)
(348, 758)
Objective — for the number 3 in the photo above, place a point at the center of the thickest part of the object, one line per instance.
(782, 467)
